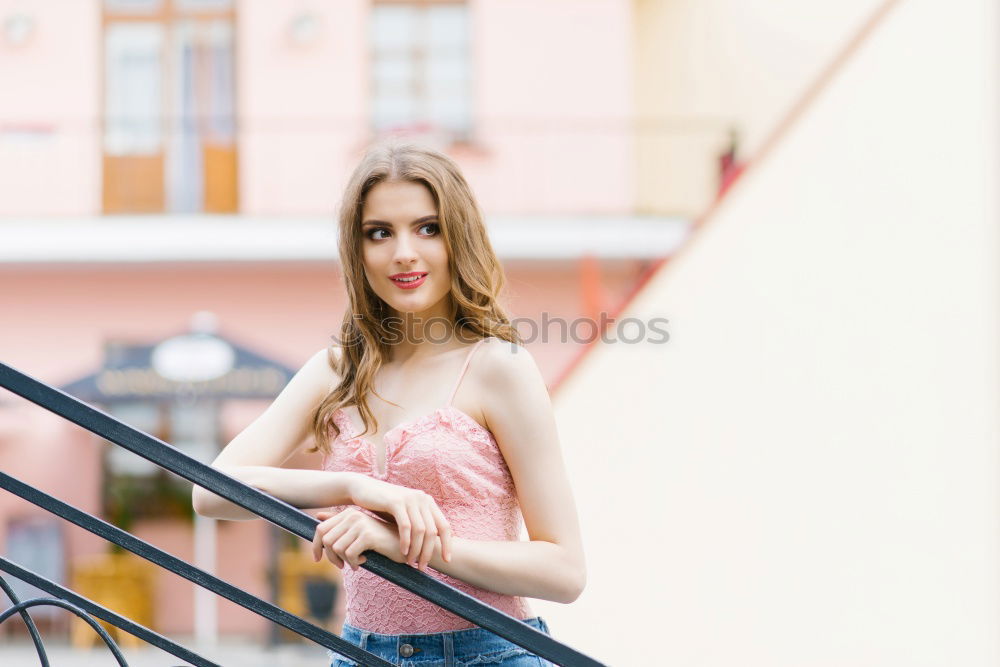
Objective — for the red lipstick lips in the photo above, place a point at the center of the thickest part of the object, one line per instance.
(410, 280)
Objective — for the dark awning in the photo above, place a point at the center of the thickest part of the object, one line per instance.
(128, 375)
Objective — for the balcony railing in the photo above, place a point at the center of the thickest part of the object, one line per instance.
(267, 507)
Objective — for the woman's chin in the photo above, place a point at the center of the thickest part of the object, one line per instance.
(409, 309)
(414, 310)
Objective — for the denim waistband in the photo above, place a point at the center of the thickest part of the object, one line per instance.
(445, 646)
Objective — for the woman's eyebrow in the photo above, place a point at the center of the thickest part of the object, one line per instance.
(383, 222)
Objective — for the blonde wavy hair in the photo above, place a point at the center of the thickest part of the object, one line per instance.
(476, 276)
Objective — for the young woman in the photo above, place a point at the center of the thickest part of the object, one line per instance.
(436, 426)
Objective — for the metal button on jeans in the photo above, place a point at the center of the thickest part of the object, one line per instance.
(405, 650)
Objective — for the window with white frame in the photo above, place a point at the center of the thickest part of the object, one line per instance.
(169, 106)
(421, 69)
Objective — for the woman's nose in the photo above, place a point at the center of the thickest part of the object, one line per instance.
(405, 249)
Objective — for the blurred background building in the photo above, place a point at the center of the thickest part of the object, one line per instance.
(163, 158)
(170, 172)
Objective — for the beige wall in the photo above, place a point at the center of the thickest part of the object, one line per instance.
(704, 66)
(807, 473)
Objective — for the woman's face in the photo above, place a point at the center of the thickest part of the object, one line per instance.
(400, 235)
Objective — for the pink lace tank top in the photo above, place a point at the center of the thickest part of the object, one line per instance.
(450, 456)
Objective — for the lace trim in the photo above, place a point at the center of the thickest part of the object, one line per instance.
(417, 426)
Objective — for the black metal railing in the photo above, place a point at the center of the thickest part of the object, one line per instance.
(85, 608)
(276, 511)
(180, 567)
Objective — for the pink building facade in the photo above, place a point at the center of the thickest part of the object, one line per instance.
(544, 119)
(160, 158)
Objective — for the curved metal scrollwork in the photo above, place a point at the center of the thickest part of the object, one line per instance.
(22, 607)
(36, 638)
(98, 611)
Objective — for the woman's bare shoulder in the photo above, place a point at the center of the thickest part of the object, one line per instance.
(516, 405)
(504, 363)
(322, 367)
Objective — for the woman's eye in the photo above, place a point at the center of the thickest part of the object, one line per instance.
(371, 233)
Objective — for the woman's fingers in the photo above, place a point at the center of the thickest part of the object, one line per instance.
(341, 547)
(352, 553)
(408, 508)
(420, 523)
(336, 560)
(331, 538)
(444, 532)
(346, 540)
(328, 522)
(430, 539)
(417, 531)
(400, 514)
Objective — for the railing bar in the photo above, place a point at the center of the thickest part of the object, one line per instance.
(26, 617)
(103, 613)
(285, 516)
(176, 565)
(37, 602)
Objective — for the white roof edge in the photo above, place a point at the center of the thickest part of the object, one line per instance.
(220, 238)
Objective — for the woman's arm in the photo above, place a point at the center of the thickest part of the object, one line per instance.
(519, 413)
(254, 456)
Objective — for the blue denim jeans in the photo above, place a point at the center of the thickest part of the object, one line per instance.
(460, 648)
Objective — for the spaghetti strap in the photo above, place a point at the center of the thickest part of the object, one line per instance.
(461, 374)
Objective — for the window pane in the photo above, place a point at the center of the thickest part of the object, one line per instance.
(447, 26)
(202, 5)
(184, 155)
(132, 6)
(420, 67)
(133, 89)
(394, 76)
(393, 28)
(447, 70)
(202, 113)
(394, 71)
(220, 75)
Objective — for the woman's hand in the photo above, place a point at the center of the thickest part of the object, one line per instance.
(418, 517)
(345, 536)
